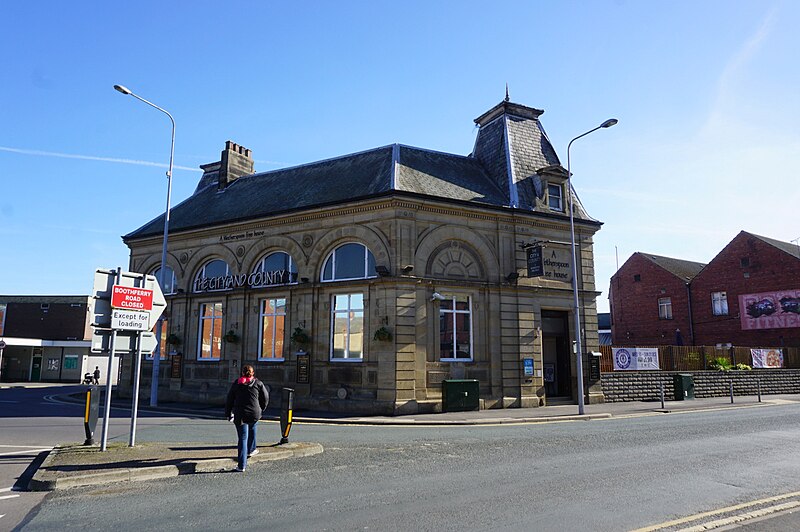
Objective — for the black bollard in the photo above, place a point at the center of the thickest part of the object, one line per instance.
(286, 414)
(91, 412)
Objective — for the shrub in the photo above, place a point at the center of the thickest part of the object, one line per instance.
(720, 364)
(743, 367)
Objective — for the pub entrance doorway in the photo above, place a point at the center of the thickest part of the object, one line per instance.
(556, 354)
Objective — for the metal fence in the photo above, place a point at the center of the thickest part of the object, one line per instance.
(699, 357)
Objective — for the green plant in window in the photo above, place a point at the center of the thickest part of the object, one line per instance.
(382, 335)
(299, 337)
(231, 337)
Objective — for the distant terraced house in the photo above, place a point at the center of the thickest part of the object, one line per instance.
(365, 281)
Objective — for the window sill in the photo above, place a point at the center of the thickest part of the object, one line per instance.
(347, 360)
(456, 360)
(271, 359)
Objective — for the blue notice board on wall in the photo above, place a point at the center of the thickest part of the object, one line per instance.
(527, 365)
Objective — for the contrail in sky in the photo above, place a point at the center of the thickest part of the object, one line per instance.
(95, 158)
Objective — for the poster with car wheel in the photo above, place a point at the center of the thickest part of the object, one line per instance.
(770, 310)
(767, 358)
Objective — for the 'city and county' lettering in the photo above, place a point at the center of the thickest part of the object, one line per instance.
(254, 280)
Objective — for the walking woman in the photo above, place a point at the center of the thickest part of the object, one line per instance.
(247, 399)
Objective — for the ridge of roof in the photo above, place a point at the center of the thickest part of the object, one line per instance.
(685, 269)
(788, 247)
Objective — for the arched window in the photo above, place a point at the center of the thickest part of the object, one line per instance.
(212, 276)
(276, 269)
(170, 283)
(349, 261)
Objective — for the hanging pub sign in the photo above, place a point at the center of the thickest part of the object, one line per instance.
(535, 264)
(552, 263)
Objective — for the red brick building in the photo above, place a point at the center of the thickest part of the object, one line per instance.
(749, 294)
(649, 298)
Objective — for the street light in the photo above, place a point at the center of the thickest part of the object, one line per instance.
(163, 274)
(576, 304)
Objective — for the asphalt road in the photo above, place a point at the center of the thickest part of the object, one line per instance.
(617, 474)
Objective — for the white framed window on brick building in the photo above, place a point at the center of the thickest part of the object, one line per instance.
(347, 327)
(665, 308)
(455, 328)
(719, 303)
(209, 345)
(272, 329)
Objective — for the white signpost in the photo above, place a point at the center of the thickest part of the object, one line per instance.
(125, 304)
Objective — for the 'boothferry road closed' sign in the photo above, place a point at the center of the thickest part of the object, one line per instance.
(131, 298)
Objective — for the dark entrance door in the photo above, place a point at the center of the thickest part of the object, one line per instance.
(556, 354)
(36, 369)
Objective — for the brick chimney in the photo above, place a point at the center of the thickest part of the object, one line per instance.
(235, 162)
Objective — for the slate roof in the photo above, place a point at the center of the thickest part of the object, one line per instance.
(788, 247)
(361, 175)
(683, 269)
(510, 149)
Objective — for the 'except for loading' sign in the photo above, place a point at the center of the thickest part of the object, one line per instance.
(130, 320)
(131, 298)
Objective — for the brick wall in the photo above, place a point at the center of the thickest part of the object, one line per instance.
(645, 385)
(767, 269)
(634, 304)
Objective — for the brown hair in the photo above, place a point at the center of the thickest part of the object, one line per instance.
(248, 371)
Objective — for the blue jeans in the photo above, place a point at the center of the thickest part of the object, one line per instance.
(247, 441)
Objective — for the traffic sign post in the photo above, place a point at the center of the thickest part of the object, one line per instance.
(125, 306)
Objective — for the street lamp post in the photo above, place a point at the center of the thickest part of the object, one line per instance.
(163, 273)
(576, 303)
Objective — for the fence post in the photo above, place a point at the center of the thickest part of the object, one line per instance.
(758, 386)
(705, 362)
(732, 352)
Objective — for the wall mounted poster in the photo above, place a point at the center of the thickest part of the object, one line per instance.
(770, 310)
(635, 358)
(767, 358)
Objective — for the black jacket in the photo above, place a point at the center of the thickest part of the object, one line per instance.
(246, 401)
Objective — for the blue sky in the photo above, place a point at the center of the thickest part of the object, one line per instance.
(706, 92)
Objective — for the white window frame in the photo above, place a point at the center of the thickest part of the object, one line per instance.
(201, 274)
(174, 283)
(200, 338)
(559, 197)
(332, 257)
(348, 310)
(455, 312)
(719, 303)
(665, 308)
(162, 345)
(260, 268)
(262, 305)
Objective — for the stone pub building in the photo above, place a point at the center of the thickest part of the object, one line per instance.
(366, 280)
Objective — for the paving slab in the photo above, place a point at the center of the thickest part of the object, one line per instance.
(74, 465)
